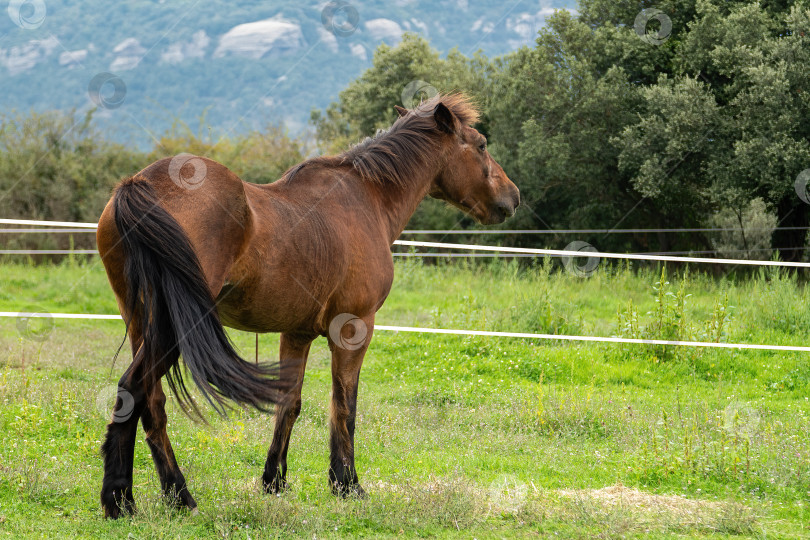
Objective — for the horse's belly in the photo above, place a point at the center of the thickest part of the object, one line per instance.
(258, 310)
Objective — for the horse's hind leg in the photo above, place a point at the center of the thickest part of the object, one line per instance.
(154, 424)
(137, 400)
(293, 358)
(119, 446)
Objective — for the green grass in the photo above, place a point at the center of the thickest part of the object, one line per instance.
(456, 436)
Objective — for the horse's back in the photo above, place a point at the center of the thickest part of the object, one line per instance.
(208, 202)
(315, 252)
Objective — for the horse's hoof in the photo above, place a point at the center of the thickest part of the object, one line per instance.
(276, 486)
(349, 491)
(195, 511)
(180, 500)
(117, 504)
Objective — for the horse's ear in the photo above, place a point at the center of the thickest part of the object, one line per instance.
(445, 120)
(401, 111)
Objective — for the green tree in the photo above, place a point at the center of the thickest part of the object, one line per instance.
(367, 104)
(555, 109)
(712, 117)
(758, 56)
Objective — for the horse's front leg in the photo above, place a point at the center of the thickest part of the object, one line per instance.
(348, 347)
(293, 362)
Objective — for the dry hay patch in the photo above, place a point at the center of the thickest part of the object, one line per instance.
(612, 511)
(631, 508)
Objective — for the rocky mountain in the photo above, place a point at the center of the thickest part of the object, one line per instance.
(148, 63)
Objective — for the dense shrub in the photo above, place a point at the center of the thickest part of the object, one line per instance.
(58, 166)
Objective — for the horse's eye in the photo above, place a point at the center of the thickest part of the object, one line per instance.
(482, 146)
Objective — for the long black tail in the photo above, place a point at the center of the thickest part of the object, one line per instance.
(168, 294)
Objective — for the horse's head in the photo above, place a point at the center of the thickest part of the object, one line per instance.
(469, 178)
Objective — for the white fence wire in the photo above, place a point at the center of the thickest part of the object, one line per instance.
(473, 247)
(512, 251)
(484, 333)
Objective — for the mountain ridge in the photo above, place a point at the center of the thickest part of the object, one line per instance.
(241, 65)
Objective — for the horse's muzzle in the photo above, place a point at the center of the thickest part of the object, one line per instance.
(504, 208)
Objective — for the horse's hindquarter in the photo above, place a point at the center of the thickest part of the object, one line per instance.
(309, 257)
(213, 214)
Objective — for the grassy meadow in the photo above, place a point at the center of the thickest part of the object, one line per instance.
(457, 437)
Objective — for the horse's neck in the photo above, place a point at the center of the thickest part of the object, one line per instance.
(401, 202)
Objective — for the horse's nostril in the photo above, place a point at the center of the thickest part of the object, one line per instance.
(506, 209)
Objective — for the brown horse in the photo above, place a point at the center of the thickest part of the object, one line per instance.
(189, 247)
